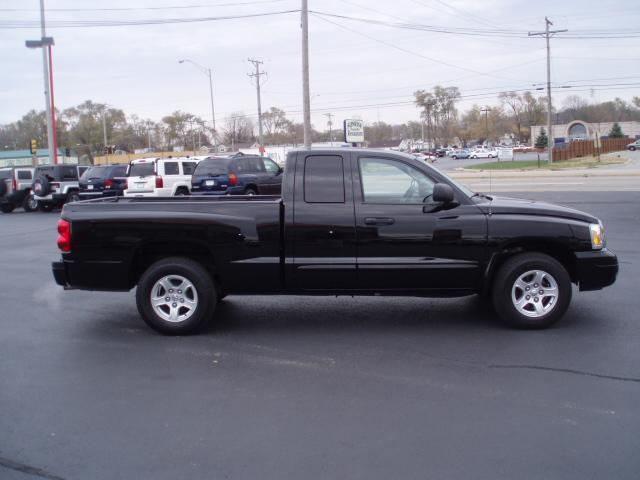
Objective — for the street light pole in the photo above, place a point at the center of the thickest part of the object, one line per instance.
(48, 81)
(208, 73)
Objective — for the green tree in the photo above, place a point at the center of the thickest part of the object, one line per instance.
(542, 140)
(616, 131)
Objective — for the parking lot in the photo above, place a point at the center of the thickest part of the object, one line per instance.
(302, 387)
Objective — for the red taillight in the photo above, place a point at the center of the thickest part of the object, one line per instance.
(108, 183)
(233, 179)
(14, 184)
(125, 184)
(55, 185)
(159, 182)
(64, 235)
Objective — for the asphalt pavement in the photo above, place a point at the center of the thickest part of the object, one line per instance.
(317, 388)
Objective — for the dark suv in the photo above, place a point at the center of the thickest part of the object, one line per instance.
(237, 175)
(15, 189)
(103, 181)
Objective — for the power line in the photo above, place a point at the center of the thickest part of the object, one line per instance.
(8, 24)
(117, 9)
(410, 52)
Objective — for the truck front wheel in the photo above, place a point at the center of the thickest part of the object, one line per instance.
(176, 296)
(531, 291)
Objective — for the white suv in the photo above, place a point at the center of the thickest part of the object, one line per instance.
(160, 177)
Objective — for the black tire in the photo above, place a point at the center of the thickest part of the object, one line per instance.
(45, 207)
(193, 273)
(7, 207)
(250, 191)
(504, 285)
(30, 204)
(182, 192)
(72, 196)
(41, 186)
(632, 148)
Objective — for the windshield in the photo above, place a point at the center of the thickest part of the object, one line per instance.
(213, 167)
(142, 169)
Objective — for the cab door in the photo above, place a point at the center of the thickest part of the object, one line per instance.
(404, 243)
(322, 233)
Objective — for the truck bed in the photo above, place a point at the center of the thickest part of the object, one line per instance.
(241, 236)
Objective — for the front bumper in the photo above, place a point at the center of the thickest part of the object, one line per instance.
(596, 269)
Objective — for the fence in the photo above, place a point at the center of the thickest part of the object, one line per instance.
(585, 148)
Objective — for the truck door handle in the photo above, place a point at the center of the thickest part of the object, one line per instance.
(379, 221)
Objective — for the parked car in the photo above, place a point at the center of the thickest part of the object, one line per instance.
(55, 185)
(103, 181)
(634, 146)
(484, 153)
(15, 189)
(458, 154)
(349, 222)
(160, 177)
(237, 175)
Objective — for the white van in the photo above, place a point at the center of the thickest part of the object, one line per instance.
(160, 177)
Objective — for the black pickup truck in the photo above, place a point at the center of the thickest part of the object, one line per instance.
(349, 222)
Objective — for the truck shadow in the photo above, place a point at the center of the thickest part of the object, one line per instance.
(309, 314)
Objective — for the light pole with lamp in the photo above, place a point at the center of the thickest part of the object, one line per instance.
(207, 72)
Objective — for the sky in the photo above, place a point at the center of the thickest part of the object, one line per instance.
(364, 66)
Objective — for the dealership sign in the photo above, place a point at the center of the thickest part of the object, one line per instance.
(354, 131)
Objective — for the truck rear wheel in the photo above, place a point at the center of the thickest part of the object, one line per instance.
(176, 296)
(531, 291)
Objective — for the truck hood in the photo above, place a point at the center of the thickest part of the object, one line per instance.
(519, 206)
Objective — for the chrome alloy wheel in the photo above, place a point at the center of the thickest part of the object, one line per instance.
(174, 298)
(534, 293)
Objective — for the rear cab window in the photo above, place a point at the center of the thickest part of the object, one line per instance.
(24, 175)
(324, 179)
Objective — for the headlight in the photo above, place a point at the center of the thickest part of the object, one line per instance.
(597, 236)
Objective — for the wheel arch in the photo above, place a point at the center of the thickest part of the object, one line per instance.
(150, 252)
(562, 253)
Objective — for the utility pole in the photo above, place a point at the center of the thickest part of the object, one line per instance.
(306, 101)
(486, 111)
(257, 76)
(330, 123)
(547, 34)
(104, 128)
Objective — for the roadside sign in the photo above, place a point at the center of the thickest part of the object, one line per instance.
(354, 131)
(505, 153)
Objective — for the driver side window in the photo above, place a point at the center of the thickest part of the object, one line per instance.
(393, 182)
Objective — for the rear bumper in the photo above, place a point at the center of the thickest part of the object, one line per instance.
(98, 275)
(238, 190)
(87, 195)
(60, 274)
(53, 198)
(596, 269)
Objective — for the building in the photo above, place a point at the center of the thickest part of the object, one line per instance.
(14, 158)
(579, 130)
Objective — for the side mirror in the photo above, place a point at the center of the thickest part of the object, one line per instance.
(280, 170)
(442, 193)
